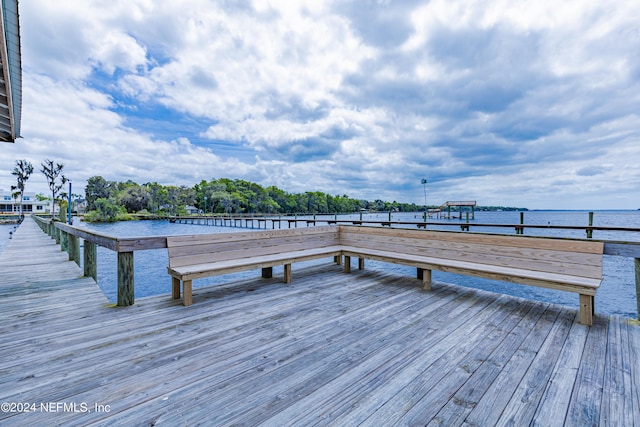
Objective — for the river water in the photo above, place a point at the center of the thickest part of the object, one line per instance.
(615, 296)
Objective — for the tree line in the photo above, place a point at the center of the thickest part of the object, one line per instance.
(111, 200)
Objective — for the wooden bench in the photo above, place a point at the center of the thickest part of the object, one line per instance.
(203, 255)
(562, 264)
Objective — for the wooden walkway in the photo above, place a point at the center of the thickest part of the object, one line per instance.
(368, 348)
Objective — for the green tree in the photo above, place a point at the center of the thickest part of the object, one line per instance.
(178, 198)
(98, 188)
(22, 171)
(106, 210)
(158, 196)
(52, 171)
(134, 198)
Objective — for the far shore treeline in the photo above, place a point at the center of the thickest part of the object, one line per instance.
(115, 201)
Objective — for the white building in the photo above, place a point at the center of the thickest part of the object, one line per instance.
(30, 203)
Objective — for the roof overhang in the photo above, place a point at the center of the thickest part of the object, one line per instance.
(10, 72)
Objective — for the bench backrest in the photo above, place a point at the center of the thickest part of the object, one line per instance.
(203, 248)
(575, 257)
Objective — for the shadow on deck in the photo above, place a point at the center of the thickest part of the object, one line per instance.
(368, 348)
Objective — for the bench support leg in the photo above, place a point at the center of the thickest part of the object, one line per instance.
(360, 263)
(426, 279)
(587, 309)
(186, 290)
(175, 287)
(347, 264)
(267, 272)
(287, 273)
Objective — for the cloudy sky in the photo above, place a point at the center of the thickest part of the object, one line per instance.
(518, 103)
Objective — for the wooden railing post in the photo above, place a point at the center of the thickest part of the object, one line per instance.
(91, 260)
(64, 241)
(520, 230)
(125, 279)
(589, 230)
(637, 263)
(74, 248)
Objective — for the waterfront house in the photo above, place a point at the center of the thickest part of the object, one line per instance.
(30, 203)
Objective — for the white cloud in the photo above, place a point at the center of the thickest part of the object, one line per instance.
(509, 102)
(119, 50)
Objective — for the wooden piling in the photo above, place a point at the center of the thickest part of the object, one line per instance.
(465, 227)
(589, 230)
(125, 279)
(637, 264)
(91, 260)
(64, 241)
(74, 248)
(520, 230)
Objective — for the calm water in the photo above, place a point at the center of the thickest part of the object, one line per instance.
(616, 295)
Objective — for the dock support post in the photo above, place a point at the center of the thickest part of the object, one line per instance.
(64, 241)
(125, 279)
(465, 227)
(520, 230)
(637, 263)
(74, 248)
(90, 260)
(589, 230)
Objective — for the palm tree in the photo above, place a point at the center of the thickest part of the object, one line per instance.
(22, 171)
(52, 171)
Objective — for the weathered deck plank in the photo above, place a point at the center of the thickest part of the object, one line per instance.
(369, 348)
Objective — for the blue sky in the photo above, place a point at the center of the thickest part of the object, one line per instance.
(515, 103)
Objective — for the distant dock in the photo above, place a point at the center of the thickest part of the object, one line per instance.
(368, 348)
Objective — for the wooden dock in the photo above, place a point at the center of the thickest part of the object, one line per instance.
(369, 348)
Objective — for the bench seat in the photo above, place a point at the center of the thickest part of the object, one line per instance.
(562, 282)
(198, 271)
(199, 256)
(563, 264)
